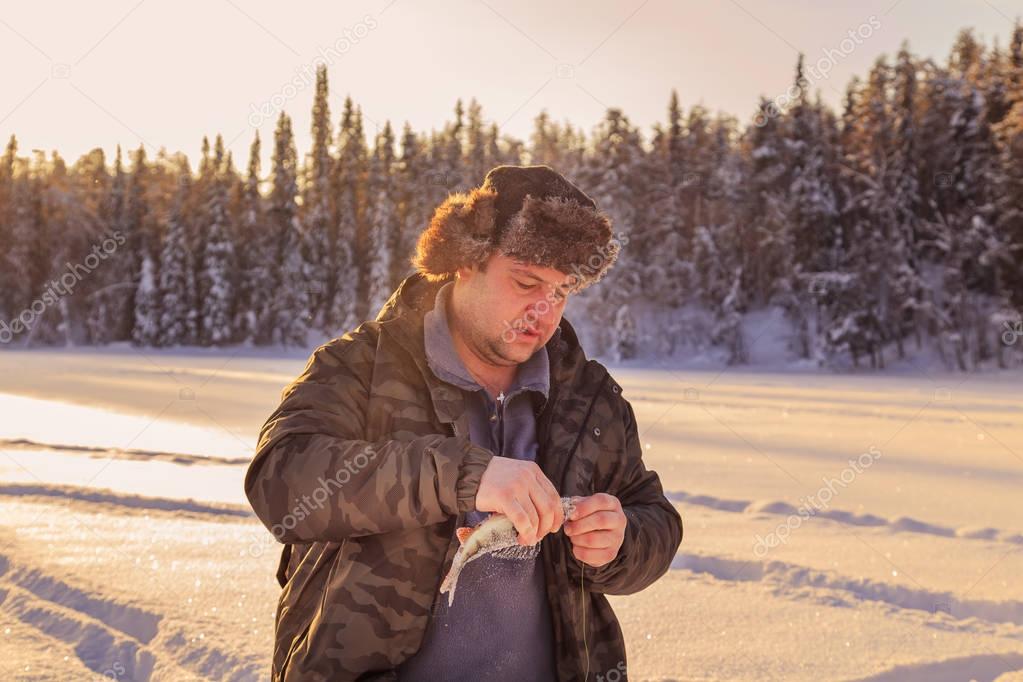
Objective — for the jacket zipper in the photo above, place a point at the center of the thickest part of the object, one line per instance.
(499, 420)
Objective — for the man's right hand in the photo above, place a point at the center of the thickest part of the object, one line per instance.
(519, 490)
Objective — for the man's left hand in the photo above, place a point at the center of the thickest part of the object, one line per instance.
(596, 528)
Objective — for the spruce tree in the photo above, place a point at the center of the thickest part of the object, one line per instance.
(177, 284)
(290, 303)
(383, 221)
(218, 258)
(319, 216)
(349, 192)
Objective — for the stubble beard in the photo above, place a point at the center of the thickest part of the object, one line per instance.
(495, 349)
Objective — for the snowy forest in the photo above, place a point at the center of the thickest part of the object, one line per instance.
(888, 228)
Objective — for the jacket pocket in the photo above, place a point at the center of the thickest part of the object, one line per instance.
(301, 600)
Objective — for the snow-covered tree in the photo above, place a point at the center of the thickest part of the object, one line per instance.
(104, 319)
(413, 209)
(624, 334)
(290, 304)
(383, 220)
(319, 217)
(348, 185)
(256, 244)
(218, 259)
(177, 283)
(146, 328)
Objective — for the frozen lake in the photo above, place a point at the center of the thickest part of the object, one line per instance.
(836, 527)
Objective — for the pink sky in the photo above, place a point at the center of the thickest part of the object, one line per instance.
(81, 75)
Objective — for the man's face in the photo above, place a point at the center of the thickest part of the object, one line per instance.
(511, 310)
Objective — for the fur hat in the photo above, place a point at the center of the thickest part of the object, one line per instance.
(529, 213)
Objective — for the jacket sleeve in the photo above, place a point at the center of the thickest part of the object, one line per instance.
(314, 479)
(653, 532)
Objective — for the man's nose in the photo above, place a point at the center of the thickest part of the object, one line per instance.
(543, 308)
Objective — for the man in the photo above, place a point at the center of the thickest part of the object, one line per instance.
(469, 393)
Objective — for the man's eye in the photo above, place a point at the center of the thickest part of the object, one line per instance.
(524, 287)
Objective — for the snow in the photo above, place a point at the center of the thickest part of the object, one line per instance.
(107, 428)
(837, 527)
(28, 469)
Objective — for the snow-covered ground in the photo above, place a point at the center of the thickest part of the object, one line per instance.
(837, 527)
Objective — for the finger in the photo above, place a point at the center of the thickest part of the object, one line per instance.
(593, 503)
(586, 524)
(519, 517)
(576, 501)
(593, 557)
(559, 512)
(587, 505)
(532, 520)
(545, 515)
(601, 520)
(554, 502)
(559, 509)
(597, 539)
(551, 498)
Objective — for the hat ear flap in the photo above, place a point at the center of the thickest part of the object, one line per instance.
(460, 234)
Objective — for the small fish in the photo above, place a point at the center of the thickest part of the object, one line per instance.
(496, 536)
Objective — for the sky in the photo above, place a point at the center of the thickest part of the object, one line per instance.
(81, 75)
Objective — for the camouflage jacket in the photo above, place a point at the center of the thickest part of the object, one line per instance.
(365, 468)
